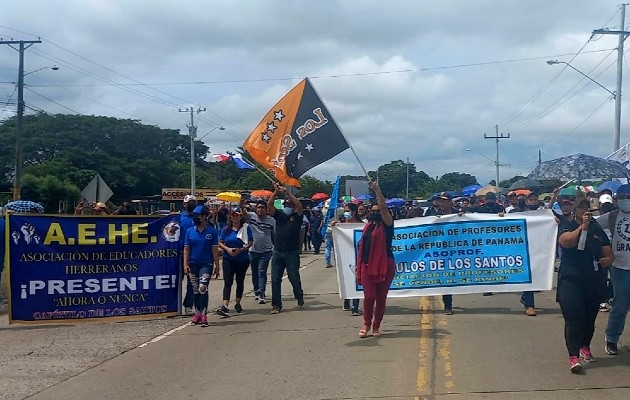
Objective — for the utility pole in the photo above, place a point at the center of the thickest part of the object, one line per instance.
(622, 37)
(539, 157)
(19, 127)
(192, 132)
(497, 137)
(407, 190)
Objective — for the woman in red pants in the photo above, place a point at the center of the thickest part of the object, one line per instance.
(375, 263)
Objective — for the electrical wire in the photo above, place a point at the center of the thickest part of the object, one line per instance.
(51, 100)
(6, 104)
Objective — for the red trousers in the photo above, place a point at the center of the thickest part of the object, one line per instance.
(375, 295)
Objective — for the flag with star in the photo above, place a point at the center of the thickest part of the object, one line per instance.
(297, 134)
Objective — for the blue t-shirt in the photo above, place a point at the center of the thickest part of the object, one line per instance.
(228, 237)
(2, 243)
(185, 222)
(200, 244)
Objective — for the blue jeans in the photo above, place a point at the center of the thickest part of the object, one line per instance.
(527, 299)
(329, 249)
(260, 264)
(620, 279)
(355, 304)
(199, 277)
(289, 261)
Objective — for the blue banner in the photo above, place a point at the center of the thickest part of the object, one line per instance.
(460, 254)
(87, 267)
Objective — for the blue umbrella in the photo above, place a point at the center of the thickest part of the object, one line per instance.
(24, 206)
(396, 202)
(364, 197)
(470, 190)
(610, 185)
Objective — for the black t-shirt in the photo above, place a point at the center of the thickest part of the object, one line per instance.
(490, 208)
(367, 241)
(576, 262)
(287, 231)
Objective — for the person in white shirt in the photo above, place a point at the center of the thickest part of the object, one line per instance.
(618, 222)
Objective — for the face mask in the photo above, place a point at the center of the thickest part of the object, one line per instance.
(546, 205)
(288, 210)
(521, 204)
(190, 207)
(347, 215)
(197, 220)
(376, 216)
(624, 205)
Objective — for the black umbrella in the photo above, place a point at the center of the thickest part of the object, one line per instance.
(526, 184)
(578, 167)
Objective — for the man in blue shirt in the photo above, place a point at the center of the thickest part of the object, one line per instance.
(201, 250)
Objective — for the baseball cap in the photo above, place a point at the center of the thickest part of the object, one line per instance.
(236, 210)
(444, 195)
(100, 205)
(201, 210)
(189, 197)
(605, 198)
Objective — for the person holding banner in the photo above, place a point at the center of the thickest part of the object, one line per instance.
(350, 214)
(185, 223)
(2, 242)
(375, 267)
(587, 254)
(201, 250)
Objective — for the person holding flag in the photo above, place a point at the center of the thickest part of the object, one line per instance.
(286, 249)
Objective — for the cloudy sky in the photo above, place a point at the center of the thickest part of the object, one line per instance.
(418, 79)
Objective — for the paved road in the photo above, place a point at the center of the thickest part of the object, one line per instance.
(488, 350)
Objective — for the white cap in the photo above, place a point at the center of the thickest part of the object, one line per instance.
(605, 198)
(189, 197)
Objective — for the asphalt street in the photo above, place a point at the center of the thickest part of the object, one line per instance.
(488, 350)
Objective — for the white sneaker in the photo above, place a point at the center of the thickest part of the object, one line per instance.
(188, 311)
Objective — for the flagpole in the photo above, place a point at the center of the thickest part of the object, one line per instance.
(344, 136)
(262, 171)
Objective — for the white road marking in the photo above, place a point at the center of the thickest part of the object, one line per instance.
(179, 328)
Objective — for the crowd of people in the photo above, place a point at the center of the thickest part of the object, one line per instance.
(227, 240)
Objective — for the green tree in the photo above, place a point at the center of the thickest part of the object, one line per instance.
(312, 185)
(49, 191)
(455, 181)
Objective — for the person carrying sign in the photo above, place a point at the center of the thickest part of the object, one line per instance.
(375, 266)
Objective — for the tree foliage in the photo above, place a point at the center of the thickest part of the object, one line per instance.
(62, 153)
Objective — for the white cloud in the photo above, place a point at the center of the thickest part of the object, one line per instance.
(428, 115)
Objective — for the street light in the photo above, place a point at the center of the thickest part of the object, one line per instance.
(19, 126)
(495, 162)
(193, 135)
(617, 131)
(554, 62)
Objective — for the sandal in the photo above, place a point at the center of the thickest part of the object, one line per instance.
(363, 332)
(377, 332)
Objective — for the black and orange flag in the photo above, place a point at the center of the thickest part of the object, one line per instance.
(297, 134)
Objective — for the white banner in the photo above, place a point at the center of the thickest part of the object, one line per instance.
(474, 253)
